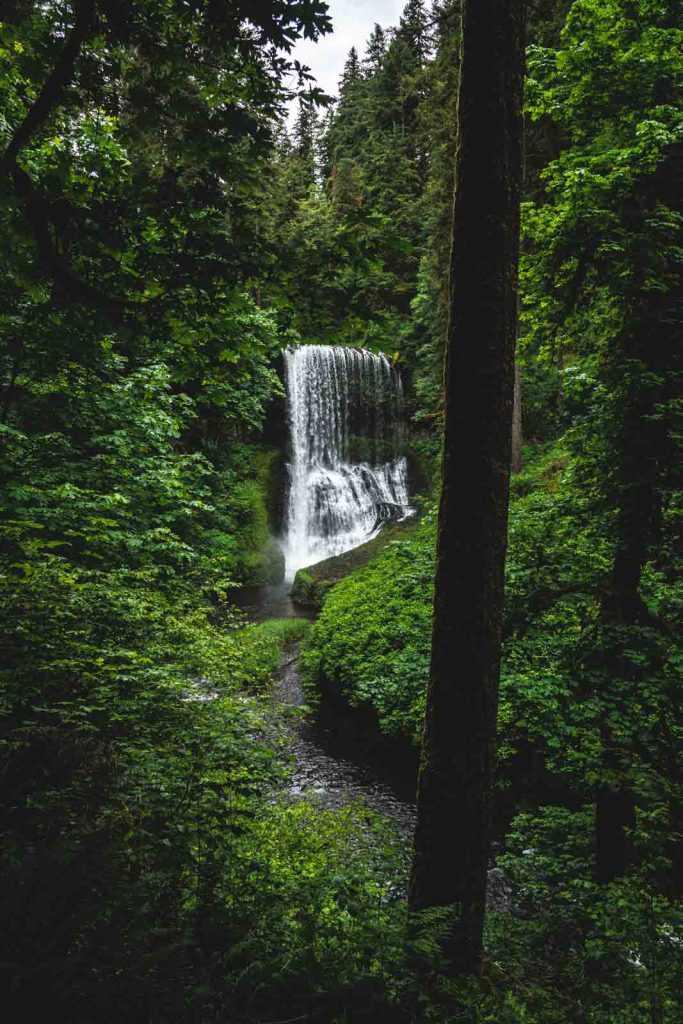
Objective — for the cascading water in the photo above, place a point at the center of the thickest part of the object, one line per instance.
(346, 475)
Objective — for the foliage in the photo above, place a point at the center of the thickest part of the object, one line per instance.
(162, 239)
(263, 644)
(372, 642)
(372, 637)
(574, 950)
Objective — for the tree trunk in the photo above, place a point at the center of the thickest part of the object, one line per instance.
(16, 351)
(517, 437)
(621, 605)
(642, 361)
(615, 812)
(452, 836)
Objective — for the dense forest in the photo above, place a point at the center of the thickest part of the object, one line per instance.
(169, 228)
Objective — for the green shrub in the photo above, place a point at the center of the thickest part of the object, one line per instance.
(372, 637)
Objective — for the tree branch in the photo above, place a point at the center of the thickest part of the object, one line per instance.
(36, 205)
(59, 268)
(53, 87)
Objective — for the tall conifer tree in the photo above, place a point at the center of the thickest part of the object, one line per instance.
(376, 48)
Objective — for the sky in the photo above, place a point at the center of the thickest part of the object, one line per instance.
(352, 23)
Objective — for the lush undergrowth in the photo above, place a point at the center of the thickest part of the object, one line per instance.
(372, 637)
(553, 558)
(260, 647)
(159, 868)
(566, 949)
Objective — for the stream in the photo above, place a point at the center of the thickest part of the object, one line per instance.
(333, 757)
(336, 759)
(321, 769)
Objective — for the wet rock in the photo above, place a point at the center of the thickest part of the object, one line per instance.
(498, 890)
(312, 583)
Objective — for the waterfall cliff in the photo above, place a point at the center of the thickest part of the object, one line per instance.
(347, 474)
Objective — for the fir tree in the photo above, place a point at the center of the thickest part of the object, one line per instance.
(414, 28)
(375, 50)
(351, 73)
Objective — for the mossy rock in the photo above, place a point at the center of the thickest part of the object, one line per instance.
(307, 591)
(269, 568)
(312, 583)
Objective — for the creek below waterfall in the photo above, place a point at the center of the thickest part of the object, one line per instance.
(336, 757)
(333, 760)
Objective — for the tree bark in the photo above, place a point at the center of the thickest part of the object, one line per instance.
(517, 436)
(643, 368)
(452, 836)
(615, 812)
(621, 605)
(16, 351)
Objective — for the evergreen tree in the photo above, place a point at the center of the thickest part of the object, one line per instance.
(304, 146)
(351, 74)
(425, 335)
(375, 50)
(414, 28)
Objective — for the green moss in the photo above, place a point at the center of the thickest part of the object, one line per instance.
(313, 583)
(308, 591)
(246, 500)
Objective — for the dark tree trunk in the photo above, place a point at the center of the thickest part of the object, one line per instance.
(622, 607)
(644, 372)
(517, 435)
(452, 836)
(615, 813)
(16, 351)
(643, 358)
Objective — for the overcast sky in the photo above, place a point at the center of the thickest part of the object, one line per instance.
(352, 23)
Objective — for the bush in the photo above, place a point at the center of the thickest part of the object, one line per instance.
(371, 640)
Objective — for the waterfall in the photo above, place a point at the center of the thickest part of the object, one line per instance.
(347, 475)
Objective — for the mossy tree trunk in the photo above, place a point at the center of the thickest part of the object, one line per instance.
(452, 836)
(517, 435)
(643, 371)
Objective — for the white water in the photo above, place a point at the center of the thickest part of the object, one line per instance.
(346, 473)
